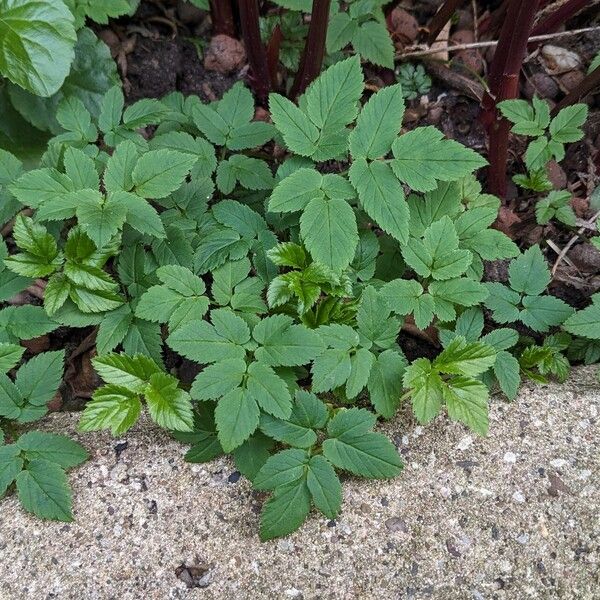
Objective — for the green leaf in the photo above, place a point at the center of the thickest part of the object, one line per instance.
(361, 364)
(503, 302)
(385, 382)
(282, 468)
(369, 455)
(542, 312)
(299, 133)
(328, 228)
(466, 400)
(112, 407)
(465, 358)
(507, 372)
(340, 31)
(284, 344)
(324, 486)
(566, 127)
(131, 372)
(285, 511)
(119, 167)
(237, 416)
(218, 379)
(37, 44)
(140, 214)
(269, 391)
(372, 41)
(422, 156)
(39, 379)
(203, 342)
(169, 406)
(55, 448)
(101, 218)
(425, 386)
(330, 370)
(332, 100)
(462, 291)
(252, 455)
(43, 489)
(160, 172)
(251, 173)
(381, 196)
(294, 192)
(529, 273)
(373, 320)
(586, 322)
(11, 464)
(10, 355)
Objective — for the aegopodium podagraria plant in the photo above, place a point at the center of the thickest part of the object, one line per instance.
(287, 283)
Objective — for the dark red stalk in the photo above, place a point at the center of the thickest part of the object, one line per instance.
(441, 17)
(504, 85)
(587, 84)
(222, 17)
(314, 48)
(260, 79)
(561, 15)
(273, 48)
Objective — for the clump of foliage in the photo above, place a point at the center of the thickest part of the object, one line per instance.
(414, 80)
(549, 138)
(286, 282)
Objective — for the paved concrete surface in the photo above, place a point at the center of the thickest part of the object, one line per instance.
(513, 516)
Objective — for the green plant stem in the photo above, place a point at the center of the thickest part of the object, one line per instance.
(314, 49)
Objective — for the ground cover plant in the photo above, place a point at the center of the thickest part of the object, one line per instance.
(267, 288)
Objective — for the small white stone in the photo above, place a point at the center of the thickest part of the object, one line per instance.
(445, 492)
(510, 457)
(293, 593)
(523, 538)
(465, 442)
(557, 463)
(518, 497)
(418, 431)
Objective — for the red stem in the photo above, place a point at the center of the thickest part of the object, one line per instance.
(561, 15)
(586, 85)
(441, 17)
(504, 85)
(314, 49)
(273, 49)
(260, 79)
(222, 17)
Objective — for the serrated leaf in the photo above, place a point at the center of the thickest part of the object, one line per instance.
(425, 386)
(465, 358)
(294, 192)
(566, 127)
(361, 364)
(328, 228)
(55, 448)
(282, 468)
(160, 172)
(324, 486)
(10, 355)
(381, 196)
(507, 372)
(385, 383)
(542, 312)
(330, 370)
(284, 344)
(268, 390)
(252, 455)
(131, 372)
(372, 41)
(422, 156)
(285, 511)
(37, 44)
(466, 400)
(39, 378)
(378, 124)
(218, 379)
(11, 464)
(44, 490)
(299, 133)
(111, 407)
(529, 273)
(236, 416)
(586, 322)
(168, 405)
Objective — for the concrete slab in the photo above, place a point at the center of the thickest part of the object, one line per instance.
(515, 515)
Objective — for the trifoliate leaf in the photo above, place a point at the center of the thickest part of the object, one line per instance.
(425, 386)
(131, 372)
(268, 390)
(218, 379)
(542, 312)
(39, 379)
(55, 448)
(465, 358)
(529, 273)
(169, 406)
